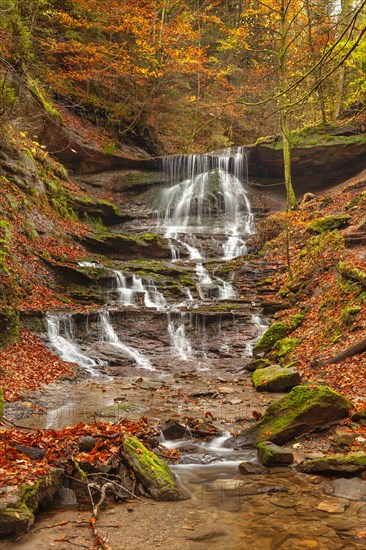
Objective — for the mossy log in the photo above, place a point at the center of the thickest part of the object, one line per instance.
(155, 476)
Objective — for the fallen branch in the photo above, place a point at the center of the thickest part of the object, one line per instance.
(356, 349)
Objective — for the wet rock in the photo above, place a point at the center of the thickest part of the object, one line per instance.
(207, 458)
(252, 468)
(66, 497)
(351, 463)
(211, 535)
(155, 476)
(203, 393)
(270, 454)
(151, 384)
(359, 417)
(174, 430)
(344, 437)
(19, 504)
(117, 246)
(86, 444)
(276, 379)
(33, 452)
(303, 410)
(343, 525)
(237, 487)
(351, 489)
(258, 364)
(333, 506)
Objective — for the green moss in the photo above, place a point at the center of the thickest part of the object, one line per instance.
(275, 378)
(290, 415)
(45, 104)
(329, 223)
(348, 271)
(349, 314)
(285, 346)
(151, 467)
(275, 332)
(259, 364)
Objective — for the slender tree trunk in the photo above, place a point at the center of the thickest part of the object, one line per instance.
(290, 194)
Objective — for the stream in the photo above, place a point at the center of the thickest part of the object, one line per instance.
(148, 352)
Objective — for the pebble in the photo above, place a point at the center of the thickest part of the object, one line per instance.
(332, 506)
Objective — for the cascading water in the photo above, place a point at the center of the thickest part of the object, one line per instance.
(109, 335)
(180, 344)
(129, 292)
(207, 196)
(60, 331)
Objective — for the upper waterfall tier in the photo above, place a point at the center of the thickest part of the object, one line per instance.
(207, 195)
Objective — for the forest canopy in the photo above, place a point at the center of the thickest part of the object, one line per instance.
(190, 75)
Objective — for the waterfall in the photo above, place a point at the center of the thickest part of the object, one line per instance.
(109, 335)
(179, 343)
(128, 292)
(207, 196)
(60, 331)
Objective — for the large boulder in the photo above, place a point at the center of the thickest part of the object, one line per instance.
(156, 477)
(276, 379)
(303, 410)
(329, 223)
(351, 463)
(18, 504)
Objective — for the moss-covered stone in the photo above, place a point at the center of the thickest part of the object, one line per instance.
(348, 271)
(349, 314)
(120, 247)
(338, 463)
(156, 477)
(275, 379)
(258, 364)
(19, 504)
(303, 410)
(329, 223)
(285, 347)
(270, 454)
(275, 332)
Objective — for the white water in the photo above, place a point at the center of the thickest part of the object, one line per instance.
(262, 326)
(129, 292)
(180, 344)
(206, 197)
(60, 331)
(109, 335)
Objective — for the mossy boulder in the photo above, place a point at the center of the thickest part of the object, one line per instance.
(304, 410)
(348, 271)
(351, 463)
(155, 476)
(275, 332)
(258, 364)
(278, 331)
(19, 504)
(270, 454)
(276, 379)
(285, 347)
(329, 223)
